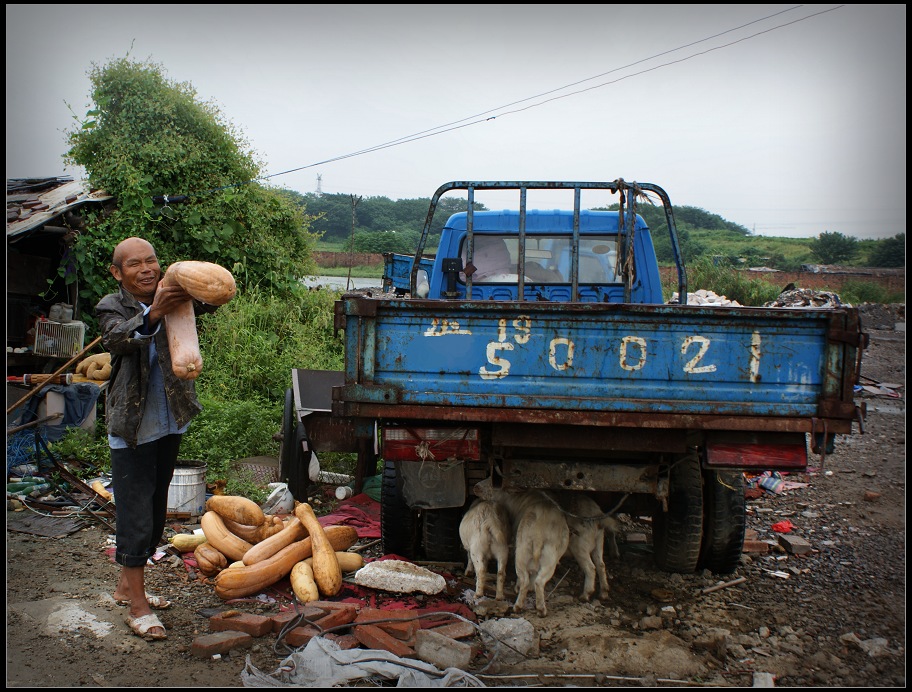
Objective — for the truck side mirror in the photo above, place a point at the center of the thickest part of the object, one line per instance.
(452, 267)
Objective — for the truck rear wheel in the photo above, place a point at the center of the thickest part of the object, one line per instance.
(677, 533)
(398, 522)
(724, 521)
(440, 529)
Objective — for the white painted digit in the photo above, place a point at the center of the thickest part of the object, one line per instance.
(552, 353)
(494, 359)
(442, 327)
(692, 363)
(755, 357)
(523, 326)
(639, 343)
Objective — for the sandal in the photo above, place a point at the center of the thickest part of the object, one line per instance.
(143, 624)
(157, 602)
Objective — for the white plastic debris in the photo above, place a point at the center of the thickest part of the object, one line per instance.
(323, 664)
(399, 576)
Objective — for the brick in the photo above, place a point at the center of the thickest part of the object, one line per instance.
(442, 651)
(373, 637)
(345, 641)
(404, 626)
(750, 535)
(403, 630)
(337, 617)
(795, 545)
(279, 621)
(254, 625)
(455, 630)
(756, 547)
(299, 636)
(208, 645)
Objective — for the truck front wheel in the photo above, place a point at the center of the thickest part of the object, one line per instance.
(724, 520)
(677, 533)
(398, 522)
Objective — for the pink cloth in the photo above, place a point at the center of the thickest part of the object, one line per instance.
(360, 511)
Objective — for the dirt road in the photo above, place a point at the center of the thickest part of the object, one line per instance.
(834, 616)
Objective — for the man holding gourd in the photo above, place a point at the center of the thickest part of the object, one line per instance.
(149, 329)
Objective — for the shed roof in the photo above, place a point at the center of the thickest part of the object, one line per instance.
(32, 202)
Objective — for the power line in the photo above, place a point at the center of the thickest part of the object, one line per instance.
(486, 117)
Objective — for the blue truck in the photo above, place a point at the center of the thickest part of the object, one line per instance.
(535, 349)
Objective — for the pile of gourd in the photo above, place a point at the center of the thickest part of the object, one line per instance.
(247, 550)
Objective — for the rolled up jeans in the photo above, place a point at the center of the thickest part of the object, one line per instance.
(141, 479)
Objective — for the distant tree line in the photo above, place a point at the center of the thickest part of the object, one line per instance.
(379, 224)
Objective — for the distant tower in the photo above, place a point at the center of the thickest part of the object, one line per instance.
(319, 185)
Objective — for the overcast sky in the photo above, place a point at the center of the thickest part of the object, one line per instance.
(796, 128)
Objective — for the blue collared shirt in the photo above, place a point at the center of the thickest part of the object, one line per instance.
(157, 419)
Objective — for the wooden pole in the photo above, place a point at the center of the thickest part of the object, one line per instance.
(57, 372)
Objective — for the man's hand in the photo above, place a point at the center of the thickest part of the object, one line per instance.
(167, 298)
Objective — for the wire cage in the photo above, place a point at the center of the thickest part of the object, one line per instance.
(59, 339)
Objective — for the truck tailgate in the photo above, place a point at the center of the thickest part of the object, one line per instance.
(585, 363)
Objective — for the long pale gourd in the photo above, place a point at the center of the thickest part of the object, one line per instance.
(265, 549)
(302, 582)
(255, 534)
(208, 283)
(244, 581)
(221, 538)
(327, 572)
(237, 508)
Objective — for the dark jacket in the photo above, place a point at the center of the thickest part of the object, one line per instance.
(119, 316)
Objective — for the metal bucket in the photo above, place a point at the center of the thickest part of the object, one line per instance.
(187, 492)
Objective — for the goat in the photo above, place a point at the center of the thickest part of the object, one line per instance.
(588, 528)
(541, 536)
(485, 535)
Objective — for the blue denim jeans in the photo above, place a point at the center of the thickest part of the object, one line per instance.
(141, 479)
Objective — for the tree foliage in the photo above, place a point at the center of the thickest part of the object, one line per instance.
(833, 248)
(890, 252)
(332, 214)
(148, 137)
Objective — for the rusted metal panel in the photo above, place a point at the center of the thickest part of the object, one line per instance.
(591, 438)
(344, 408)
(526, 474)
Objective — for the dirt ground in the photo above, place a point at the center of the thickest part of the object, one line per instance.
(834, 617)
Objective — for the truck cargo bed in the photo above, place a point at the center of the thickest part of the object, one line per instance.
(664, 366)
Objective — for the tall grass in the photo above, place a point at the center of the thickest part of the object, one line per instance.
(724, 280)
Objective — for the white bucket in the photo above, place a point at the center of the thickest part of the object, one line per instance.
(187, 492)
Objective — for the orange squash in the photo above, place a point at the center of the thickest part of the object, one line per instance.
(327, 572)
(208, 283)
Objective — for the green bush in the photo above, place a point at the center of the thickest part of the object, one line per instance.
(251, 344)
(857, 292)
(722, 278)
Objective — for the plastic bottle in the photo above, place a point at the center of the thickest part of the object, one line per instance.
(40, 489)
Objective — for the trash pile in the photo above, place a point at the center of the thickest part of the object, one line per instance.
(706, 298)
(806, 298)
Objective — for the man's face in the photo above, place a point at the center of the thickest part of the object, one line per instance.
(138, 272)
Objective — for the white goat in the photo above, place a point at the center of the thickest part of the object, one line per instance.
(587, 539)
(541, 538)
(485, 534)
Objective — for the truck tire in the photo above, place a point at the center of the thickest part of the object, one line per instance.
(440, 534)
(723, 522)
(398, 522)
(677, 533)
(293, 468)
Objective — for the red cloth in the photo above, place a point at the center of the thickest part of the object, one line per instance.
(360, 511)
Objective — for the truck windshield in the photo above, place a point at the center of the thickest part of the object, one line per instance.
(548, 259)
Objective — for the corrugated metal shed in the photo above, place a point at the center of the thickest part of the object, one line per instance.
(33, 202)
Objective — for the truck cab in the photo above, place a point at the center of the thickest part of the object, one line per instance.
(485, 264)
